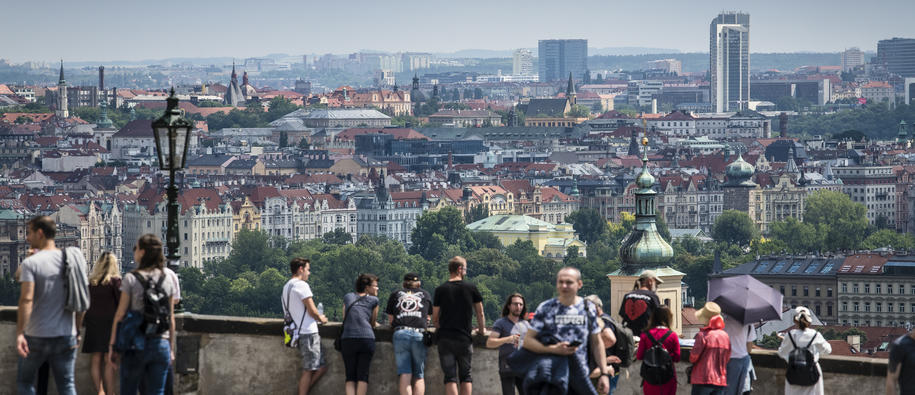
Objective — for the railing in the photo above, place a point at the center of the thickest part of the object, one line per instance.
(238, 355)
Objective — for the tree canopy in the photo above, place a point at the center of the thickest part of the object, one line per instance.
(734, 227)
(843, 222)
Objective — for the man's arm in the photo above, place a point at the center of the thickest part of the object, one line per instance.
(435, 311)
(532, 344)
(892, 377)
(313, 311)
(494, 341)
(598, 351)
(23, 316)
(481, 321)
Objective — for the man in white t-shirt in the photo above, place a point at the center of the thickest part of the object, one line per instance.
(299, 302)
(742, 337)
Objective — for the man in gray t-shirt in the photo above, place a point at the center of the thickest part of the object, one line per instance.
(45, 331)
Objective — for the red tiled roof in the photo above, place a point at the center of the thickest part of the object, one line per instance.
(193, 197)
(35, 117)
(863, 264)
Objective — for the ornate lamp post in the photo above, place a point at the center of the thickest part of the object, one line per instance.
(172, 133)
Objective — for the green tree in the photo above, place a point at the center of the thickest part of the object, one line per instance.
(842, 222)
(284, 139)
(798, 237)
(770, 341)
(476, 213)
(338, 236)
(579, 111)
(889, 238)
(734, 227)
(589, 224)
(437, 229)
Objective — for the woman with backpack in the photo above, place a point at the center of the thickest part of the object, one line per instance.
(801, 348)
(140, 289)
(104, 294)
(357, 342)
(659, 349)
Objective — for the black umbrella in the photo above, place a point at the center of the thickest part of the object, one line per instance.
(745, 298)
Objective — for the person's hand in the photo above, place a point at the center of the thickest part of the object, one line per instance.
(322, 318)
(614, 359)
(603, 385)
(515, 339)
(594, 373)
(562, 348)
(22, 345)
(112, 356)
(172, 353)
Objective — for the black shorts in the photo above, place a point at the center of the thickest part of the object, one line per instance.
(357, 358)
(455, 354)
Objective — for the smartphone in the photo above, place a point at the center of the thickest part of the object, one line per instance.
(575, 343)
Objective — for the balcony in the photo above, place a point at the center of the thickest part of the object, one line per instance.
(237, 355)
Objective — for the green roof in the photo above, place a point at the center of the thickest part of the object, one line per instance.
(661, 272)
(510, 223)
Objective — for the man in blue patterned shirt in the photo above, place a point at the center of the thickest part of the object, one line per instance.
(572, 322)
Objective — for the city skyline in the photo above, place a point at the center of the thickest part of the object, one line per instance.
(124, 33)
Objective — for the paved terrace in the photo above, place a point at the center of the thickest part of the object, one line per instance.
(238, 355)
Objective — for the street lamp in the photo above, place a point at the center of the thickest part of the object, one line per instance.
(172, 133)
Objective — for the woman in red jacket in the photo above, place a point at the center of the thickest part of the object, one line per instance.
(658, 327)
(711, 353)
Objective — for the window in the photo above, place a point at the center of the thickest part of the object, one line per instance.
(867, 288)
(855, 307)
(828, 292)
(829, 310)
(782, 289)
(854, 288)
(844, 288)
(794, 290)
(901, 289)
(889, 307)
(867, 307)
(817, 309)
(879, 307)
(806, 291)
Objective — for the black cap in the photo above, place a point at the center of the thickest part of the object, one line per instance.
(411, 277)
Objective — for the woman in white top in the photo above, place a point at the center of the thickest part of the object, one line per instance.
(802, 337)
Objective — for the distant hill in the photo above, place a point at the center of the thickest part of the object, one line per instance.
(697, 62)
(498, 53)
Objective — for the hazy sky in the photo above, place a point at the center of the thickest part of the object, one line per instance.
(105, 30)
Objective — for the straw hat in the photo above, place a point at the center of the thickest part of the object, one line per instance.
(708, 311)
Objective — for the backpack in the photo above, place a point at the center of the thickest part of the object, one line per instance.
(802, 369)
(156, 303)
(290, 327)
(624, 348)
(76, 284)
(657, 366)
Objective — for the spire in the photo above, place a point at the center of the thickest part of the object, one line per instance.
(570, 91)
(234, 76)
(676, 162)
(415, 82)
(644, 247)
(62, 80)
(244, 78)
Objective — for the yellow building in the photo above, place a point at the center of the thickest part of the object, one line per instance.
(550, 240)
(245, 215)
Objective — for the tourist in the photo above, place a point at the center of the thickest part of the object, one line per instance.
(710, 354)
(900, 374)
(658, 328)
(804, 337)
(298, 302)
(360, 312)
(640, 303)
(574, 325)
(507, 338)
(150, 364)
(45, 330)
(104, 294)
(742, 337)
(453, 307)
(608, 336)
(408, 310)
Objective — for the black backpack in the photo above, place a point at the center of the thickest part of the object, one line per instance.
(624, 348)
(156, 302)
(802, 369)
(657, 366)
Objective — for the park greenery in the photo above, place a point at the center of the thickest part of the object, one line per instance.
(873, 120)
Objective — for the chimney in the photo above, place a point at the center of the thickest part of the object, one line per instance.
(783, 125)
(101, 78)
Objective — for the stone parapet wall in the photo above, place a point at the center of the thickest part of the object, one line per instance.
(236, 355)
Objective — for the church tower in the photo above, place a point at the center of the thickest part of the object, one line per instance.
(62, 111)
(570, 91)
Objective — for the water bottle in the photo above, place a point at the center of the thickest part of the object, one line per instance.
(320, 308)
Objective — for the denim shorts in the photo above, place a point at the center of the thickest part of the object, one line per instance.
(312, 351)
(409, 353)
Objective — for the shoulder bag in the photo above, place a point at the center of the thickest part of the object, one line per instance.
(338, 342)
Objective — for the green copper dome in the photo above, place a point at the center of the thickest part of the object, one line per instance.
(739, 172)
(643, 246)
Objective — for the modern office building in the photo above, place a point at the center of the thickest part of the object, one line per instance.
(910, 91)
(729, 52)
(558, 58)
(523, 62)
(898, 54)
(817, 92)
(851, 58)
(667, 65)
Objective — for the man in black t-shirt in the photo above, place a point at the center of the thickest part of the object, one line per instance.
(639, 303)
(407, 310)
(900, 374)
(452, 311)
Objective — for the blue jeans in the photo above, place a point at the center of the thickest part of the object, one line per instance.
(150, 364)
(613, 382)
(409, 353)
(737, 375)
(706, 389)
(59, 352)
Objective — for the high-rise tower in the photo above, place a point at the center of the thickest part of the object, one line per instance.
(556, 58)
(729, 66)
(62, 111)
